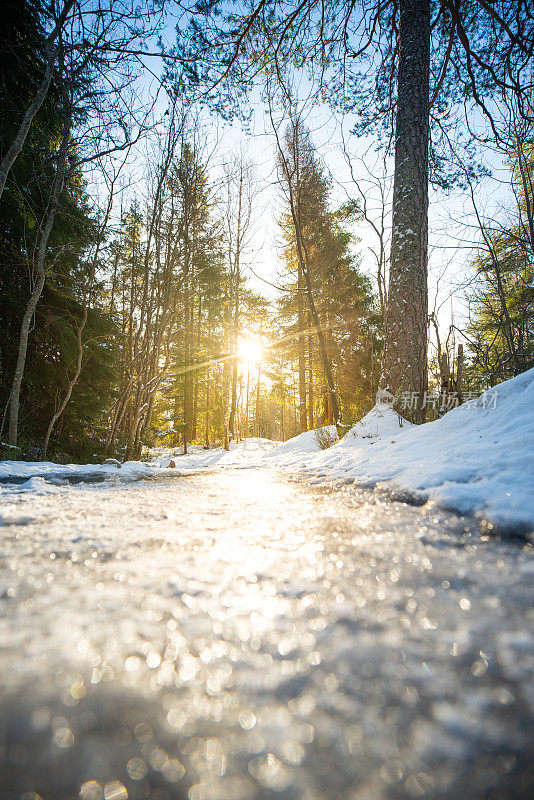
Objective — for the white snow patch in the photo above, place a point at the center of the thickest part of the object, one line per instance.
(303, 443)
(382, 422)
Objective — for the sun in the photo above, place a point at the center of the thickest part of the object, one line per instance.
(250, 350)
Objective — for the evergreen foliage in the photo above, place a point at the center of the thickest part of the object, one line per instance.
(51, 349)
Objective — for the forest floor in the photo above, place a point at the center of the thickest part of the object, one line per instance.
(243, 633)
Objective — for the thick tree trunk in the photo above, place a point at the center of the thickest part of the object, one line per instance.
(405, 353)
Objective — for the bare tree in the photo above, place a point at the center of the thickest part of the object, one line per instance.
(372, 185)
(87, 289)
(108, 41)
(39, 276)
(240, 191)
(102, 116)
(52, 48)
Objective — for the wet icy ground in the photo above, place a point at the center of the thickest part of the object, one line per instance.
(240, 634)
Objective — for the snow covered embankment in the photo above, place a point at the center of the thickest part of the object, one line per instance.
(478, 458)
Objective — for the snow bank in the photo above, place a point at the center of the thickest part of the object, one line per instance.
(303, 443)
(246, 453)
(381, 422)
(477, 458)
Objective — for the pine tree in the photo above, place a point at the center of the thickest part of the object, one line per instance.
(344, 329)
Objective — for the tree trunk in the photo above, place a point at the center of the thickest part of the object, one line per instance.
(207, 439)
(405, 353)
(233, 402)
(72, 383)
(311, 398)
(301, 352)
(187, 387)
(460, 373)
(328, 416)
(246, 411)
(196, 383)
(325, 361)
(303, 262)
(226, 414)
(57, 186)
(257, 408)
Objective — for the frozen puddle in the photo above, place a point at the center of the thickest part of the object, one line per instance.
(56, 480)
(73, 478)
(241, 635)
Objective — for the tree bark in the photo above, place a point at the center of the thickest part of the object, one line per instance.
(57, 186)
(72, 383)
(405, 353)
(311, 397)
(301, 345)
(236, 288)
(207, 416)
(257, 407)
(460, 373)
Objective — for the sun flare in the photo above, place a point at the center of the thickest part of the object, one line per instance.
(250, 350)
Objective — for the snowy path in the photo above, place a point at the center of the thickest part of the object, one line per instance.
(237, 634)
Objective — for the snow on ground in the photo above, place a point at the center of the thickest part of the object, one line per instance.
(45, 477)
(380, 423)
(478, 458)
(246, 453)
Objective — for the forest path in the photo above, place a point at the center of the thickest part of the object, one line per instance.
(244, 634)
